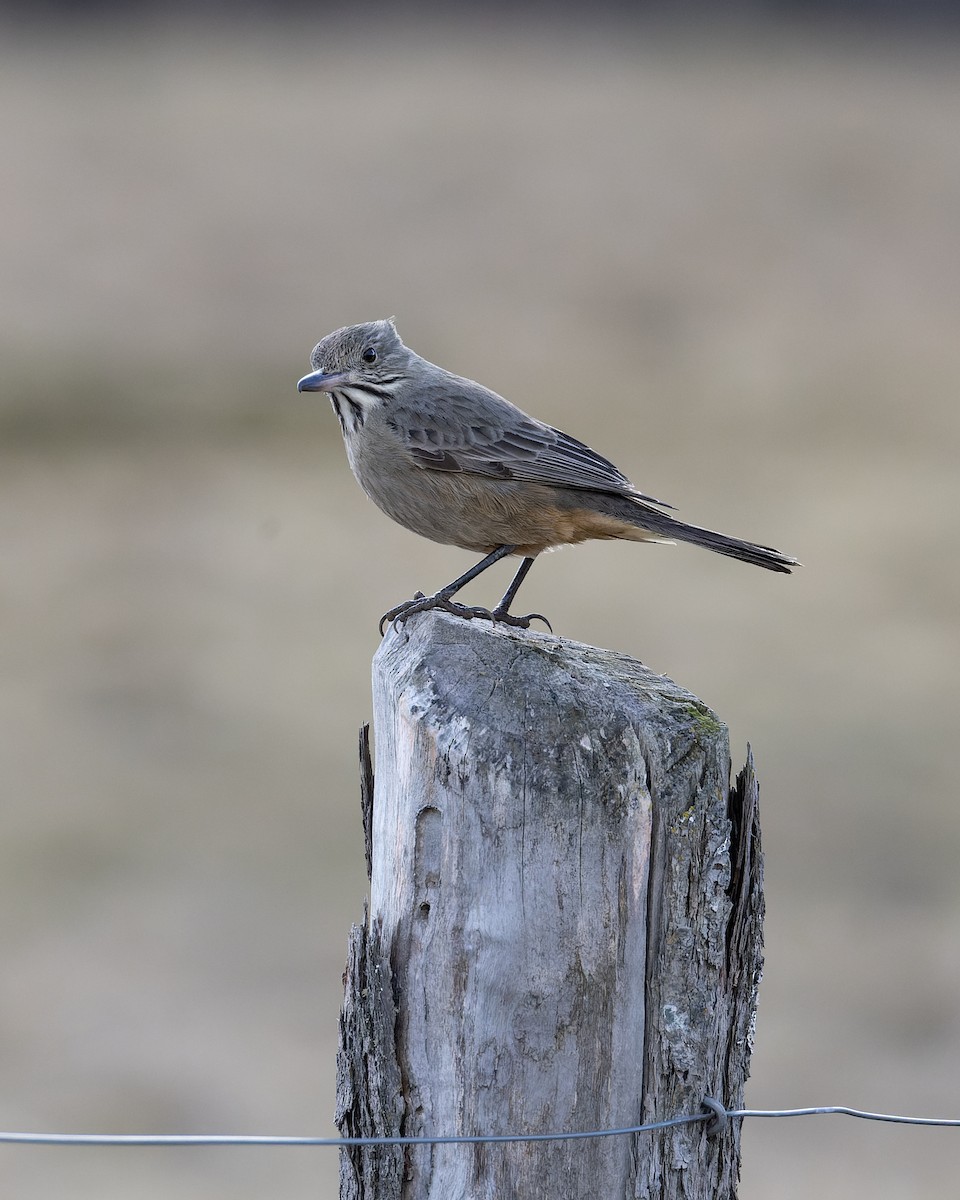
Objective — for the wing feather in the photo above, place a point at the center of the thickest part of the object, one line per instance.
(468, 428)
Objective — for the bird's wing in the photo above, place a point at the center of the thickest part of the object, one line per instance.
(467, 428)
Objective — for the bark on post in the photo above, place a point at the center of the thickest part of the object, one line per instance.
(564, 929)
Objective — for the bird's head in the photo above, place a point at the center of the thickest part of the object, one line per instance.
(367, 362)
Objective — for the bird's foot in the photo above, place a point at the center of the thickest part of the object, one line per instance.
(502, 617)
(422, 603)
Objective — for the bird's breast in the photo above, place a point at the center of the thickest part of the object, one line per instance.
(456, 508)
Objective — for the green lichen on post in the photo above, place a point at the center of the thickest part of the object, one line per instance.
(703, 718)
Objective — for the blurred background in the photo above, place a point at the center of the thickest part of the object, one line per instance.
(726, 254)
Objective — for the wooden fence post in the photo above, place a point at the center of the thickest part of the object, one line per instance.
(564, 929)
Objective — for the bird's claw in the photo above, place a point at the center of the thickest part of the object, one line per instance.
(388, 618)
(404, 609)
(421, 603)
(505, 618)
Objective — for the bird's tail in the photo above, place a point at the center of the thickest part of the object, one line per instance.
(750, 552)
(648, 519)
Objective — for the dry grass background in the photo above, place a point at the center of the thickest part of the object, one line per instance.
(731, 263)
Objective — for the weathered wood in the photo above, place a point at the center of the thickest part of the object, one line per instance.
(564, 928)
(369, 1091)
(366, 796)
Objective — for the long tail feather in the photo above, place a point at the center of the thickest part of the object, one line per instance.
(645, 517)
(750, 552)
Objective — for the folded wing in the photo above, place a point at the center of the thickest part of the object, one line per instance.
(474, 430)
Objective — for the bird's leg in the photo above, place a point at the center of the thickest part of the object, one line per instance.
(442, 599)
(502, 611)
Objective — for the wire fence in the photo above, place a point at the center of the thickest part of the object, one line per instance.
(713, 1114)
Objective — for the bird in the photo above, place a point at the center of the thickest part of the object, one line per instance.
(456, 463)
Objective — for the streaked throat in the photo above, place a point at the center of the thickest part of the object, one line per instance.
(352, 403)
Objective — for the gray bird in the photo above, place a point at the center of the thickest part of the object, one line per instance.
(458, 464)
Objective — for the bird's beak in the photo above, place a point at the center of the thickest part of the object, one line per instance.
(319, 382)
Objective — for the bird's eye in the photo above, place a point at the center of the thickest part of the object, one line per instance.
(369, 355)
